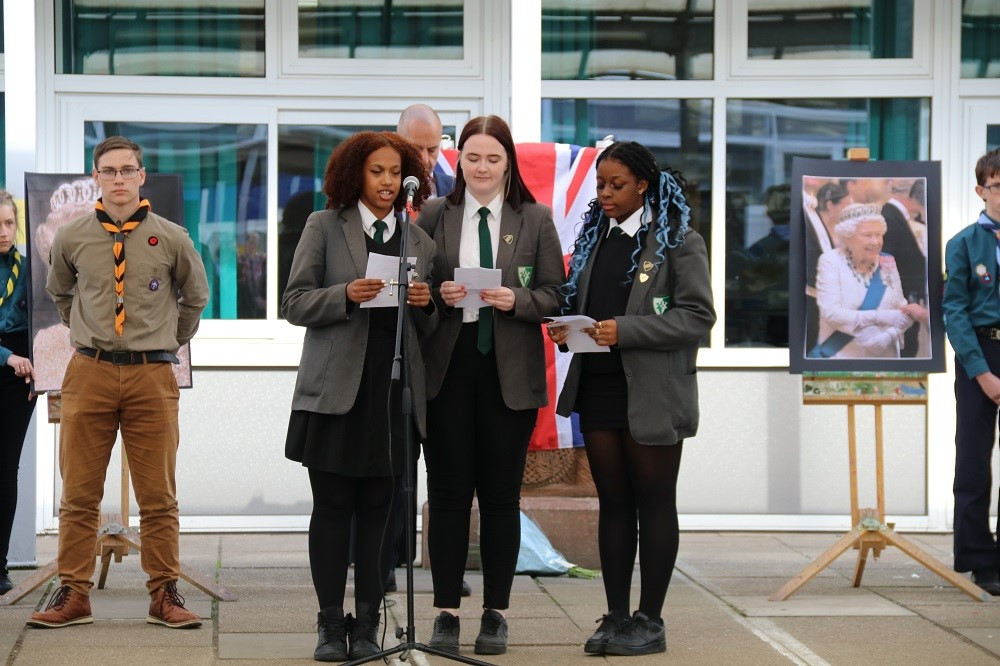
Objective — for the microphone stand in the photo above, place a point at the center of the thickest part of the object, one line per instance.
(401, 377)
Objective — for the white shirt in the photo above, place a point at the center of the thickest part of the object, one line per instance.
(368, 220)
(630, 226)
(468, 248)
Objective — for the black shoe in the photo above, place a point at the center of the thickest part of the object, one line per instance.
(332, 630)
(988, 579)
(466, 589)
(362, 632)
(492, 638)
(5, 584)
(641, 635)
(611, 624)
(390, 582)
(445, 634)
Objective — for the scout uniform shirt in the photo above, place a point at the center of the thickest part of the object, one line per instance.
(165, 285)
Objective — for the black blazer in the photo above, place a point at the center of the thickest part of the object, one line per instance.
(528, 238)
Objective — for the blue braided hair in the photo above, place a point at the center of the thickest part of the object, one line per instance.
(665, 213)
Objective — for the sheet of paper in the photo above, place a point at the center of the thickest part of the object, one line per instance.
(578, 342)
(475, 280)
(386, 268)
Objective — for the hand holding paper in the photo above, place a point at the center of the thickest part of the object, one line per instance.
(577, 341)
(385, 268)
(475, 280)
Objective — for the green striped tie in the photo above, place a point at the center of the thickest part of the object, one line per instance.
(484, 341)
(15, 271)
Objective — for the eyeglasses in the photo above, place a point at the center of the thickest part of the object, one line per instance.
(992, 187)
(128, 173)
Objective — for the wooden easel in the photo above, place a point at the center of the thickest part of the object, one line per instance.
(870, 533)
(114, 539)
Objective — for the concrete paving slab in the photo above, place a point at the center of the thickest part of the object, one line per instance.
(260, 577)
(987, 638)
(289, 610)
(983, 616)
(136, 633)
(69, 654)
(265, 550)
(757, 587)
(7, 641)
(862, 603)
(866, 630)
(106, 607)
(937, 594)
(923, 654)
(266, 646)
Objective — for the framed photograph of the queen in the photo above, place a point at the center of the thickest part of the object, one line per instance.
(865, 267)
(51, 201)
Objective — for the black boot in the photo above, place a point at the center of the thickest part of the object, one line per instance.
(642, 635)
(363, 631)
(611, 623)
(332, 630)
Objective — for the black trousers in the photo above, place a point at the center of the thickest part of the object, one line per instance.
(16, 410)
(475, 445)
(975, 435)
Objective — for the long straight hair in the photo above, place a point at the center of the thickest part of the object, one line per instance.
(517, 192)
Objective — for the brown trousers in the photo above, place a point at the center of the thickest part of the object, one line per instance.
(98, 398)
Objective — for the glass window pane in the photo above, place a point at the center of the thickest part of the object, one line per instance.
(762, 138)
(303, 151)
(411, 29)
(175, 38)
(1, 27)
(3, 141)
(992, 136)
(980, 39)
(223, 173)
(829, 29)
(677, 131)
(672, 39)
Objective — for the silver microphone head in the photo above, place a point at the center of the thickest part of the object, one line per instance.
(410, 185)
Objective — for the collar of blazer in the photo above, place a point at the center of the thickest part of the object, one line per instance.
(354, 233)
(510, 226)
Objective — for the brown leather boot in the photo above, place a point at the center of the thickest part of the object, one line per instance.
(166, 607)
(65, 607)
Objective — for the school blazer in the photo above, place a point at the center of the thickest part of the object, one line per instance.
(659, 351)
(517, 335)
(330, 254)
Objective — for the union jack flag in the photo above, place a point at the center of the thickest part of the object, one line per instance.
(561, 176)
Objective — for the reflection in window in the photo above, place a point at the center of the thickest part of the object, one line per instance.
(627, 40)
(176, 38)
(3, 142)
(992, 137)
(830, 29)
(762, 138)
(1, 27)
(223, 172)
(980, 40)
(677, 131)
(303, 151)
(431, 29)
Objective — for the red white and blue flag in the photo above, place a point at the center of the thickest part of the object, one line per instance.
(561, 176)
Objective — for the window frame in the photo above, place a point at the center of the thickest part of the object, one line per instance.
(920, 66)
(474, 21)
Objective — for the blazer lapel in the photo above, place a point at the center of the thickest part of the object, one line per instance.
(355, 235)
(452, 237)
(510, 226)
(640, 287)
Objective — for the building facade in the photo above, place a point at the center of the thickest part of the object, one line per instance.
(246, 98)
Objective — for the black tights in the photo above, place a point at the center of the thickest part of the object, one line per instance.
(637, 488)
(336, 499)
(16, 409)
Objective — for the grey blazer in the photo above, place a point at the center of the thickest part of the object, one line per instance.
(528, 238)
(330, 254)
(659, 351)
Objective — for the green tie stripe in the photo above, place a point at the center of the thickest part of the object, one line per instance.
(15, 271)
(380, 227)
(617, 231)
(484, 340)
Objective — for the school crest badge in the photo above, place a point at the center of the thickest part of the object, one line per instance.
(661, 304)
(524, 274)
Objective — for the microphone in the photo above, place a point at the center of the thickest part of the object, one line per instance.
(410, 185)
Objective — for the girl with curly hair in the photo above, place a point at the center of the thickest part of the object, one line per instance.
(641, 272)
(345, 425)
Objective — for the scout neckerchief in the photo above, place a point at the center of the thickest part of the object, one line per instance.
(993, 227)
(15, 271)
(838, 339)
(119, 234)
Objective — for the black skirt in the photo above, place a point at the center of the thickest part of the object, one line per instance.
(602, 401)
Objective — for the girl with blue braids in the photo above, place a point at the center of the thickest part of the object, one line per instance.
(641, 273)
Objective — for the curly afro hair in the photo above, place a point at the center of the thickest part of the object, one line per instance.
(344, 172)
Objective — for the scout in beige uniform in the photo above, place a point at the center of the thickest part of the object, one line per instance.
(131, 287)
